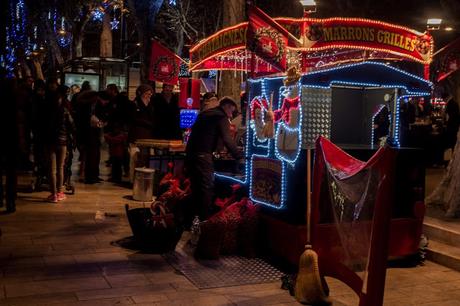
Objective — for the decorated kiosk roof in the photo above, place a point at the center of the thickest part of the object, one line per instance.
(369, 74)
(317, 43)
(364, 74)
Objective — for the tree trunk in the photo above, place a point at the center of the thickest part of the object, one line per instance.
(229, 85)
(106, 37)
(78, 43)
(38, 69)
(53, 44)
(25, 67)
(56, 55)
(141, 24)
(78, 29)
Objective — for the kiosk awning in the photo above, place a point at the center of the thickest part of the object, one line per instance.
(369, 74)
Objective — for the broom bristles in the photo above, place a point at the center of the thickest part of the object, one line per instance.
(309, 286)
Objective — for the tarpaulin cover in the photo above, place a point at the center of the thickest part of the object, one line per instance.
(347, 195)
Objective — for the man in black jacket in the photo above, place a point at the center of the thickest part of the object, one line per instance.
(210, 126)
(166, 114)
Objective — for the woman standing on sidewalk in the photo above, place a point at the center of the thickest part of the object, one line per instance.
(59, 127)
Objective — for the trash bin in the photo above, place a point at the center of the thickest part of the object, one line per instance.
(143, 184)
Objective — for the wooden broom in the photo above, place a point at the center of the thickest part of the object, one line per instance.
(309, 285)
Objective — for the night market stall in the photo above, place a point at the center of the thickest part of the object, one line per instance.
(339, 85)
(342, 104)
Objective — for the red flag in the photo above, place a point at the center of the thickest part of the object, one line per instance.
(267, 39)
(164, 65)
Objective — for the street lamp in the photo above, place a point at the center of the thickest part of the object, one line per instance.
(309, 6)
(433, 23)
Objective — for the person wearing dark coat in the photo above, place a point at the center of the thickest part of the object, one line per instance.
(210, 126)
(141, 120)
(141, 115)
(90, 119)
(38, 112)
(166, 114)
(80, 110)
(58, 128)
(10, 145)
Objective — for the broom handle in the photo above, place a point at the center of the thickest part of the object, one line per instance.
(308, 196)
(270, 106)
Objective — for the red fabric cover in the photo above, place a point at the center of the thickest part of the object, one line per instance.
(325, 237)
(231, 218)
(266, 38)
(248, 231)
(342, 161)
(240, 221)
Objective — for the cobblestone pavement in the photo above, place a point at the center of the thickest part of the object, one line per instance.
(62, 254)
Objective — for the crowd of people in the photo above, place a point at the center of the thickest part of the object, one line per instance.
(52, 121)
(43, 123)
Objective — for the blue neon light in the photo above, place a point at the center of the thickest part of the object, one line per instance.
(297, 130)
(98, 15)
(354, 65)
(284, 159)
(114, 24)
(231, 178)
(246, 166)
(188, 118)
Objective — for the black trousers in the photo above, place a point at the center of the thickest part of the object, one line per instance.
(200, 169)
(117, 163)
(92, 155)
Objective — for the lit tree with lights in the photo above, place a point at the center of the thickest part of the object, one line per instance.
(16, 39)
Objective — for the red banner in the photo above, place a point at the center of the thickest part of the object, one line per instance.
(362, 34)
(164, 65)
(267, 39)
(320, 40)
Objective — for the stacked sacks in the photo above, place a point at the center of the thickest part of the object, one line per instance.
(233, 230)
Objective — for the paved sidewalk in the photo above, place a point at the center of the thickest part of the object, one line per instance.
(61, 254)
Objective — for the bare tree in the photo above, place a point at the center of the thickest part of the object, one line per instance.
(179, 18)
